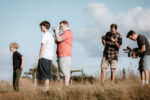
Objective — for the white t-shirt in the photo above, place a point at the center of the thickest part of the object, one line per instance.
(48, 51)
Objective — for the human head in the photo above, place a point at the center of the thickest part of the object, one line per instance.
(113, 28)
(13, 47)
(45, 26)
(132, 35)
(64, 25)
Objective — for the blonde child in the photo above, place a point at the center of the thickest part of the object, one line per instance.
(18, 61)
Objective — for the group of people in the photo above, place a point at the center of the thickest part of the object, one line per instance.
(64, 53)
(112, 42)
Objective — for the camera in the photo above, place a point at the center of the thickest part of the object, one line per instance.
(109, 38)
(130, 51)
(55, 28)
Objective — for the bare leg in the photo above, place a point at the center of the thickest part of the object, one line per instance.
(142, 77)
(112, 75)
(67, 79)
(46, 85)
(146, 72)
(103, 75)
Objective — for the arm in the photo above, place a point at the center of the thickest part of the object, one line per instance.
(41, 50)
(22, 62)
(143, 49)
(119, 42)
(57, 37)
(103, 40)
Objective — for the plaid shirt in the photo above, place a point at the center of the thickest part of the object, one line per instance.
(111, 51)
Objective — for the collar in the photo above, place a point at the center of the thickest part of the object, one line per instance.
(46, 32)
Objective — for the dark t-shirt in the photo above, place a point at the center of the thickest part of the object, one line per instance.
(17, 60)
(142, 40)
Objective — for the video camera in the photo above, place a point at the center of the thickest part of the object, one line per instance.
(130, 51)
(109, 38)
(55, 28)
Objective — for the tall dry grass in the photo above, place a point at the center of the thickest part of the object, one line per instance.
(128, 89)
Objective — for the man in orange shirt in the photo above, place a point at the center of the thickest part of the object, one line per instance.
(64, 50)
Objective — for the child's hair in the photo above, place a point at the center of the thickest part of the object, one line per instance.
(14, 45)
(46, 24)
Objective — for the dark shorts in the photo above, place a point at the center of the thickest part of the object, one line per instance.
(44, 69)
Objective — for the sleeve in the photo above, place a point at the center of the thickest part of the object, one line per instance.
(142, 40)
(44, 39)
(107, 34)
(19, 55)
(120, 40)
(64, 36)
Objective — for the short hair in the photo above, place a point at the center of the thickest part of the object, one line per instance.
(113, 26)
(46, 24)
(131, 32)
(64, 22)
(14, 45)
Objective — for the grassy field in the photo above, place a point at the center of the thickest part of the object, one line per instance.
(128, 89)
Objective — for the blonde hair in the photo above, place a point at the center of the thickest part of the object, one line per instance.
(14, 45)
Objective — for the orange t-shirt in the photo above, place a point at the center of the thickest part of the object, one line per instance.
(64, 48)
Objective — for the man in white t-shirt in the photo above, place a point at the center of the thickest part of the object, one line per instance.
(46, 54)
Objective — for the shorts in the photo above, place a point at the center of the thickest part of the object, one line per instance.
(144, 63)
(105, 63)
(64, 66)
(44, 69)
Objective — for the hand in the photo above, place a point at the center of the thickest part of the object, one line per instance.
(56, 30)
(113, 40)
(134, 55)
(21, 67)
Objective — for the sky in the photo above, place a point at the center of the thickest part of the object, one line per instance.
(88, 20)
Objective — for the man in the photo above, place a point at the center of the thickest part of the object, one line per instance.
(143, 53)
(46, 54)
(64, 50)
(112, 41)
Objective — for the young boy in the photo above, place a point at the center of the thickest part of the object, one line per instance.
(46, 54)
(18, 62)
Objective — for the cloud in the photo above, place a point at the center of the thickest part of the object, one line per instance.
(100, 13)
(136, 19)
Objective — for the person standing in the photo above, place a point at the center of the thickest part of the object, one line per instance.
(46, 54)
(112, 42)
(143, 53)
(18, 61)
(64, 50)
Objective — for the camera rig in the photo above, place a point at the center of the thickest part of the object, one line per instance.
(130, 51)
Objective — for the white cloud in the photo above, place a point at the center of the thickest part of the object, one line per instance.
(136, 19)
(100, 13)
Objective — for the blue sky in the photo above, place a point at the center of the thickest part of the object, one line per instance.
(19, 22)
